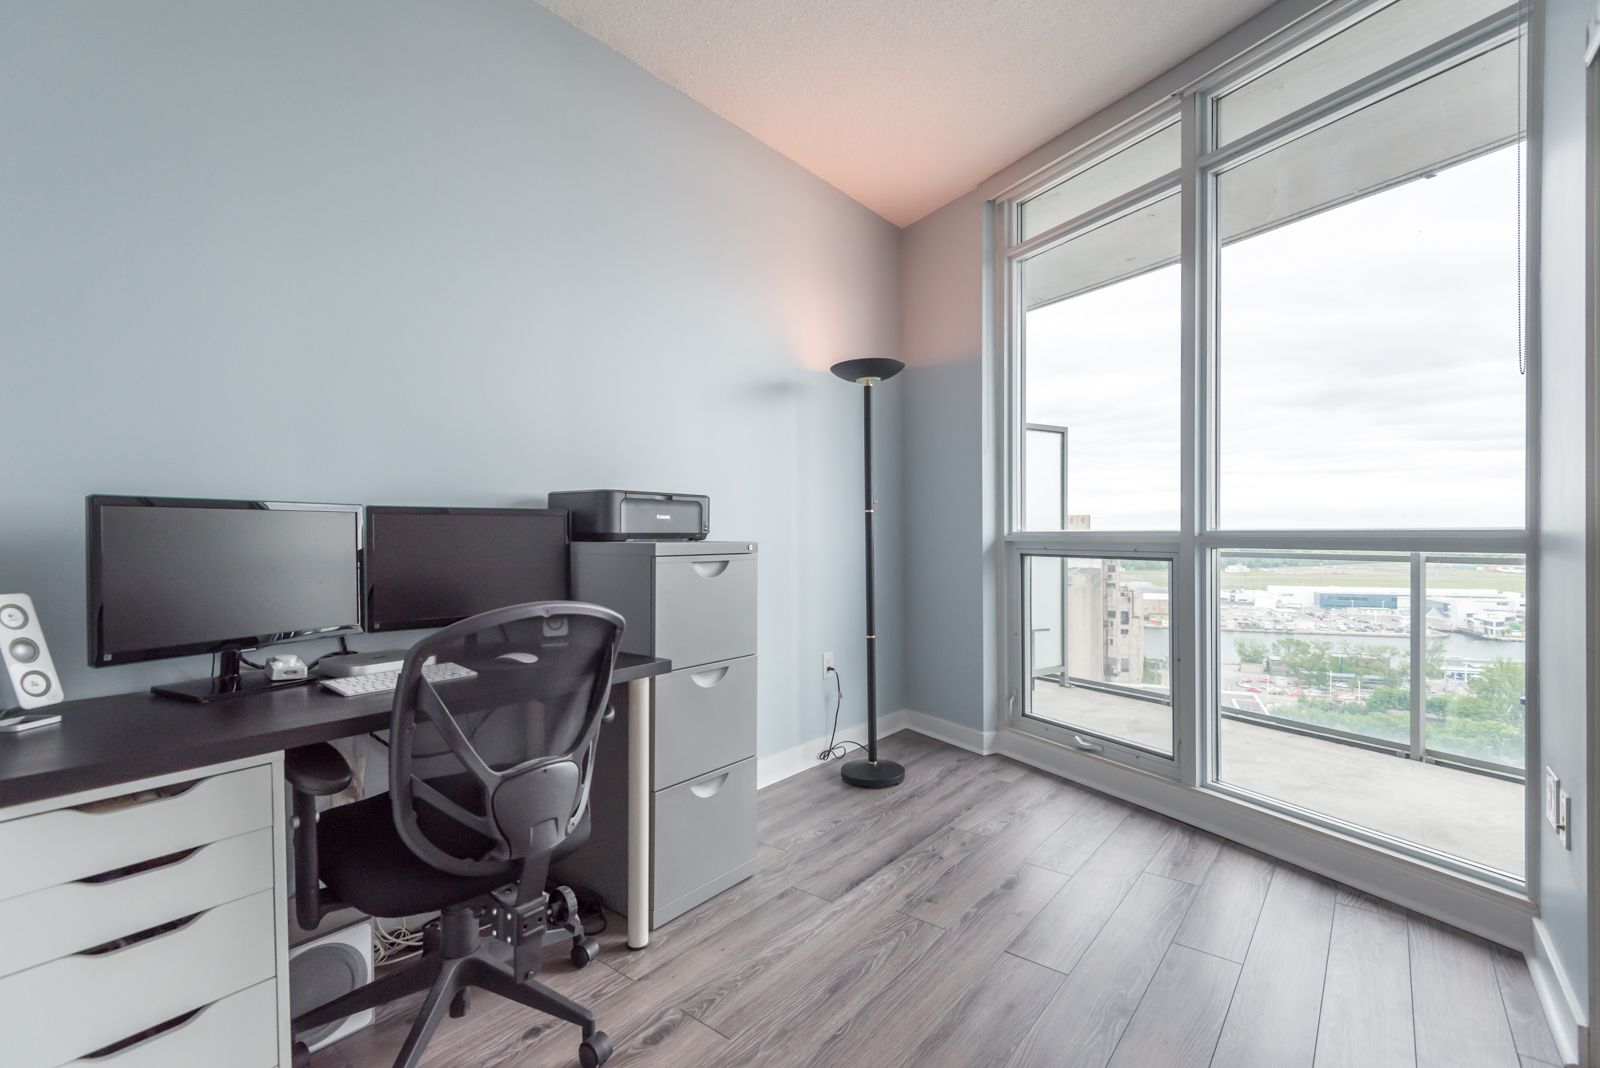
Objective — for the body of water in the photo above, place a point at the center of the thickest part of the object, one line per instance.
(1158, 643)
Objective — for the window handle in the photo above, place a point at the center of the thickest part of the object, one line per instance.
(1086, 745)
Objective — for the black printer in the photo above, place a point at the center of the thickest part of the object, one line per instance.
(627, 515)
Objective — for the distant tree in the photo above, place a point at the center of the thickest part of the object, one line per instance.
(1250, 651)
(1434, 662)
(1389, 699)
(1306, 661)
(1496, 694)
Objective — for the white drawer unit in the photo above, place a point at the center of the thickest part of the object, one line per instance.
(243, 1024)
(144, 924)
(143, 822)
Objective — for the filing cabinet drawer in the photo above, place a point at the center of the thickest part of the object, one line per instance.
(65, 919)
(705, 719)
(704, 828)
(76, 1005)
(705, 608)
(240, 1031)
(74, 843)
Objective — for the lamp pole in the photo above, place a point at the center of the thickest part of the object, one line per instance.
(870, 773)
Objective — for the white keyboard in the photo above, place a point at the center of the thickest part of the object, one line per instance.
(384, 681)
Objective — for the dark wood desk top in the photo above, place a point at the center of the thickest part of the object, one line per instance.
(103, 741)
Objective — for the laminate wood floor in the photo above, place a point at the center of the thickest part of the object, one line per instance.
(986, 914)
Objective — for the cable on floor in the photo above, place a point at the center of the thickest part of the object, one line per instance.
(837, 749)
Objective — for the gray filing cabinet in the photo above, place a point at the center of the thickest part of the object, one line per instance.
(695, 604)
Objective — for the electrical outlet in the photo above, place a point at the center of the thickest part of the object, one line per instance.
(827, 664)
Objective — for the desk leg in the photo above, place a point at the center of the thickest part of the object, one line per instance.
(639, 814)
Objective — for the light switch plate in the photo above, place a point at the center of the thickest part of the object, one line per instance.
(1552, 799)
(1565, 808)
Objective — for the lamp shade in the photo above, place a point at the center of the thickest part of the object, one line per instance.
(859, 370)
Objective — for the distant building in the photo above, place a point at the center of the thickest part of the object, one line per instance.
(1355, 599)
(1108, 644)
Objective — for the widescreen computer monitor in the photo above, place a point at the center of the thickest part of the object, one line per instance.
(173, 577)
(429, 567)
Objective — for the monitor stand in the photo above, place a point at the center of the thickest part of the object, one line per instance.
(229, 681)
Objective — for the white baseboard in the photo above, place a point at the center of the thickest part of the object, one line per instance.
(780, 766)
(968, 738)
(1561, 1006)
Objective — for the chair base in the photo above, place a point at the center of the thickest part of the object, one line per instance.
(458, 961)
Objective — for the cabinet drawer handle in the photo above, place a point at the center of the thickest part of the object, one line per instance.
(710, 787)
(140, 936)
(709, 568)
(708, 679)
(142, 797)
(128, 872)
(145, 1035)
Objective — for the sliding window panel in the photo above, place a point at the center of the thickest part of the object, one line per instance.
(1138, 164)
(1370, 363)
(1381, 35)
(1477, 620)
(1099, 647)
(1101, 349)
(1315, 712)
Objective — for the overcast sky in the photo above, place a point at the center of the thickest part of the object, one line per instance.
(1368, 362)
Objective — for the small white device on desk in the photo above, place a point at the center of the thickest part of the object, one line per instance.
(27, 657)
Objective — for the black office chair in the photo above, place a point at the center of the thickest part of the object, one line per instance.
(489, 782)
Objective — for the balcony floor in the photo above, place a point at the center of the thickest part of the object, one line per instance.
(1475, 817)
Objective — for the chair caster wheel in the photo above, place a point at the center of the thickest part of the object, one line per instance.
(584, 951)
(461, 1003)
(595, 1050)
(301, 1057)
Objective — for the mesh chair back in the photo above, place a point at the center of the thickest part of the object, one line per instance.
(495, 768)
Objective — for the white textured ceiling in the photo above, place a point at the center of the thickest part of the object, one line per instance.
(905, 104)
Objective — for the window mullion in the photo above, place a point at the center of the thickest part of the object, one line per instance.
(1419, 654)
(1191, 638)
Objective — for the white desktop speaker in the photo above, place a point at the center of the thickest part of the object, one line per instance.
(33, 674)
(325, 968)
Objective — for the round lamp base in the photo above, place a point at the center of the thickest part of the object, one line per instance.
(865, 773)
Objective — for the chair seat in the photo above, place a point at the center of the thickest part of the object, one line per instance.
(363, 860)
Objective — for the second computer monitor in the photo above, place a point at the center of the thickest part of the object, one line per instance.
(428, 567)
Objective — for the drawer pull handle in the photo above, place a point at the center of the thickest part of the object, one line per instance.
(710, 787)
(148, 1033)
(139, 936)
(116, 874)
(708, 679)
(141, 797)
(710, 568)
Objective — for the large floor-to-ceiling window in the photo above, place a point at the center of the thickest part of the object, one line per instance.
(1267, 399)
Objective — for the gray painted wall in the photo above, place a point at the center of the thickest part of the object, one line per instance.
(436, 253)
(947, 645)
(1563, 699)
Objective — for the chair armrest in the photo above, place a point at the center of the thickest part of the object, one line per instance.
(317, 770)
(313, 771)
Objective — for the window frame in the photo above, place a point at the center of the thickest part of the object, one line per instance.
(1194, 547)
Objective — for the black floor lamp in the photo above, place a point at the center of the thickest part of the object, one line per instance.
(871, 773)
